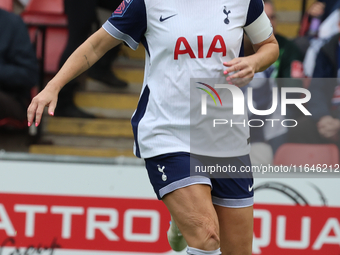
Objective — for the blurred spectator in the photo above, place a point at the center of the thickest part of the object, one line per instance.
(317, 13)
(328, 26)
(81, 17)
(324, 124)
(330, 6)
(18, 67)
(326, 30)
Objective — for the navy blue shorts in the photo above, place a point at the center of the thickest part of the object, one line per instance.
(172, 171)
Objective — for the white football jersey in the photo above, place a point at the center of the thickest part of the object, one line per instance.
(184, 39)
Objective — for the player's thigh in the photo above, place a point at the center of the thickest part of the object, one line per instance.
(232, 197)
(236, 230)
(193, 211)
(187, 196)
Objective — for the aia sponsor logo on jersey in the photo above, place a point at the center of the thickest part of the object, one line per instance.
(183, 47)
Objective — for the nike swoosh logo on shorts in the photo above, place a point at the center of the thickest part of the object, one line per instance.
(250, 188)
(161, 19)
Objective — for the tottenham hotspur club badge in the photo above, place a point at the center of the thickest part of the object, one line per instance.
(164, 177)
(226, 20)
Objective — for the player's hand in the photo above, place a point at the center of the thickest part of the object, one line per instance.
(47, 97)
(240, 71)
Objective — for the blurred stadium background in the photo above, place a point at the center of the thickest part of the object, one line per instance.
(73, 186)
(110, 135)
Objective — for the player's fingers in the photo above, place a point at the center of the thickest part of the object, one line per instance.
(231, 64)
(243, 73)
(52, 107)
(234, 68)
(250, 75)
(241, 82)
(38, 114)
(239, 74)
(31, 112)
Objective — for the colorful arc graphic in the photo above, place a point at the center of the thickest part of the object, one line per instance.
(209, 94)
(213, 90)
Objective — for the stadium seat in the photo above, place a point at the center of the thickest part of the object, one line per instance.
(13, 123)
(48, 30)
(301, 154)
(42, 12)
(55, 43)
(6, 5)
(56, 40)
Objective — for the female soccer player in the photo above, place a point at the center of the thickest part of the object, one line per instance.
(184, 39)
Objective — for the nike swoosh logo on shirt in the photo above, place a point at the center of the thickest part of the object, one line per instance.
(250, 188)
(161, 19)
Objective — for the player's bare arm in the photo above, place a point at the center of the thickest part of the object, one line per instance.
(266, 53)
(82, 59)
